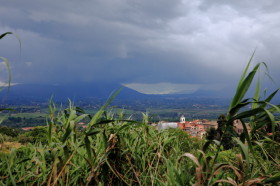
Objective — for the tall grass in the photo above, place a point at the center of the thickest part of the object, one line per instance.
(112, 150)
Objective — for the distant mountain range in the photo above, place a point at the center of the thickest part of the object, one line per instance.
(100, 90)
(35, 92)
(24, 93)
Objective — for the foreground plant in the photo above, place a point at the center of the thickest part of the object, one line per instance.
(261, 117)
(111, 150)
(5, 60)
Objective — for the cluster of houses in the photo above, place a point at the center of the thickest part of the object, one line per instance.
(196, 128)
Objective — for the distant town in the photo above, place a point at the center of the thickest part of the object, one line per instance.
(195, 128)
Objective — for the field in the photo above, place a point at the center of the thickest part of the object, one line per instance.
(28, 118)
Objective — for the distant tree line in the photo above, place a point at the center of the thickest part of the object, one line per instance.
(19, 122)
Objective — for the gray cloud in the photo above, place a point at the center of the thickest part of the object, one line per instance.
(139, 41)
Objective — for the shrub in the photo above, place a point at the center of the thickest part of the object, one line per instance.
(37, 134)
(9, 131)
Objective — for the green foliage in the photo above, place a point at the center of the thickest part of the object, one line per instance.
(5, 138)
(112, 150)
(9, 131)
(223, 133)
(38, 134)
(249, 169)
(19, 122)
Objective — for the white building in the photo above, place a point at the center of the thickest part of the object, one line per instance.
(163, 126)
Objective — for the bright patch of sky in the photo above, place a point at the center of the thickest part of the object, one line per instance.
(170, 88)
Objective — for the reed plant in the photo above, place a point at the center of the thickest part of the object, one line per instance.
(112, 150)
(5, 60)
(248, 168)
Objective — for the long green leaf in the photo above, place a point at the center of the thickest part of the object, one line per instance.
(274, 179)
(3, 35)
(89, 150)
(244, 149)
(9, 70)
(237, 107)
(272, 120)
(93, 132)
(68, 131)
(243, 87)
(257, 94)
(97, 116)
(247, 114)
(246, 70)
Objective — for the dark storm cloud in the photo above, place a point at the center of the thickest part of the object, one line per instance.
(139, 41)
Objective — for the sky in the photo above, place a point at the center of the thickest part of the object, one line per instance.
(155, 47)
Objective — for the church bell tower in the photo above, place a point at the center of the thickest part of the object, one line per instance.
(182, 119)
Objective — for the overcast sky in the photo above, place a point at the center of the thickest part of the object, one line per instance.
(158, 46)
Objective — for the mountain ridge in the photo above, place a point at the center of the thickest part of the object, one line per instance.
(77, 91)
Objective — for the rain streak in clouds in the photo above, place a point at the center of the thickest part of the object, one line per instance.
(151, 46)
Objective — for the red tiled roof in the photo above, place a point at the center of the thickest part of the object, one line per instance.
(27, 128)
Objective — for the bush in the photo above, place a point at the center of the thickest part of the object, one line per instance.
(38, 134)
(9, 131)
